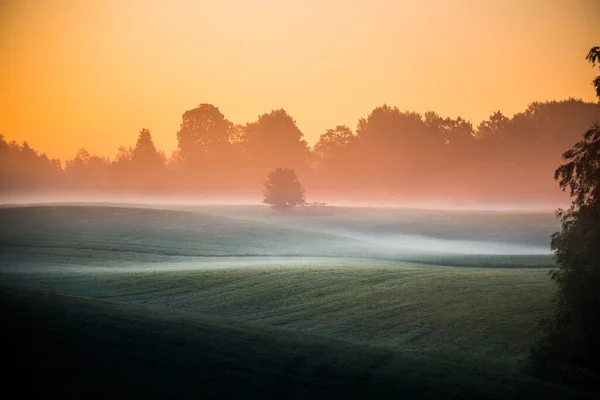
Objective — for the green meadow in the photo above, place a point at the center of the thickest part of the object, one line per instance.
(333, 302)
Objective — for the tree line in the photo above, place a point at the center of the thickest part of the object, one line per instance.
(392, 154)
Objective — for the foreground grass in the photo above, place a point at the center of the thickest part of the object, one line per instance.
(73, 347)
(483, 317)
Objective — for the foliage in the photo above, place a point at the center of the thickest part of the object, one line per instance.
(145, 154)
(452, 131)
(88, 170)
(333, 143)
(594, 58)
(141, 167)
(494, 127)
(23, 168)
(274, 140)
(283, 189)
(203, 129)
(571, 334)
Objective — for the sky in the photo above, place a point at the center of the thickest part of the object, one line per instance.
(79, 73)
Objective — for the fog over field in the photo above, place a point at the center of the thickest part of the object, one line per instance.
(424, 244)
(105, 237)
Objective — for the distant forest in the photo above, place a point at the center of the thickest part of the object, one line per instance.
(392, 155)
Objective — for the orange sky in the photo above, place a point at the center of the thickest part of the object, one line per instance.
(82, 73)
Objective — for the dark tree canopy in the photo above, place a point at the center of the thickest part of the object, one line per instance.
(581, 174)
(594, 58)
(571, 335)
(282, 189)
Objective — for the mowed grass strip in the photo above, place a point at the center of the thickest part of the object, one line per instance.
(62, 346)
(485, 317)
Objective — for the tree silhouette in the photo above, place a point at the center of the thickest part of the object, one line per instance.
(144, 153)
(571, 334)
(454, 132)
(23, 168)
(203, 130)
(147, 164)
(88, 171)
(282, 189)
(336, 156)
(392, 154)
(333, 143)
(494, 127)
(141, 167)
(274, 139)
(594, 58)
(397, 150)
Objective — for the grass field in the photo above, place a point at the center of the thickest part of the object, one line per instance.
(463, 291)
(480, 315)
(73, 347)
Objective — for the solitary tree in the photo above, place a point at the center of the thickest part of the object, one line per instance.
(283, 189)
(571, 334)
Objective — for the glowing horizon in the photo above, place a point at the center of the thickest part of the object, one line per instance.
(92, 74)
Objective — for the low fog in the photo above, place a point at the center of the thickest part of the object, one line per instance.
(410, 244)
(104, 236)
(136, 199)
